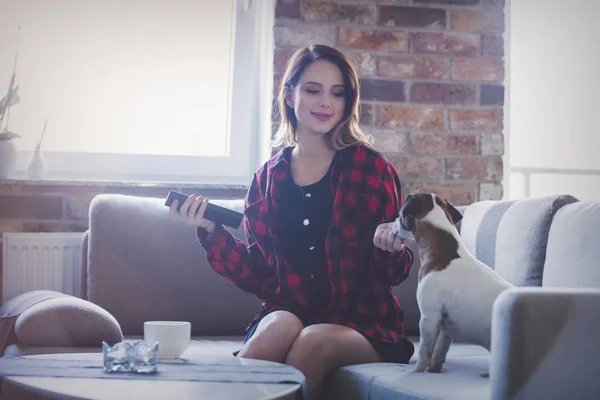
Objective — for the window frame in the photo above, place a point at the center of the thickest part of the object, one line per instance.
(249, 122)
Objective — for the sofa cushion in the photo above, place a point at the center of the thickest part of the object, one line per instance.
(406, 292)
(464, 364)
(573, 253)
(479, 228)
(145, 265)
(355, 382)
(66, 321)
(12, 309)
(460, 380)
(522, 238)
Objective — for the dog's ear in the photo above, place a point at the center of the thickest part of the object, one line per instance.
(454, 213)
(411, 206)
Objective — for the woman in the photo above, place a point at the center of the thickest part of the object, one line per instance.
(317, 219)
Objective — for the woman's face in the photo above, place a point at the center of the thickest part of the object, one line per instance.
(318, 99)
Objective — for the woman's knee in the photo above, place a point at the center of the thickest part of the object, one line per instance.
(273, 337)
(282, 325)
(310, 344)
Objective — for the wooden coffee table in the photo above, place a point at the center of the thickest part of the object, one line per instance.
(40, 387)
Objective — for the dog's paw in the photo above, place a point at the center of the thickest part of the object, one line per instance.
(435, 368)
(420, 368)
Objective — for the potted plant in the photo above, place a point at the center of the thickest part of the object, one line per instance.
(8, 150)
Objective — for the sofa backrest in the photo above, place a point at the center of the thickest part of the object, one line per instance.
(511, 236)
(573, 252)
(143, 265)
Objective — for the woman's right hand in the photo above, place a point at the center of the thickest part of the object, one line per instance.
(192, 212)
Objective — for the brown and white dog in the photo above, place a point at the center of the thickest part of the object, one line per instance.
(455, 291)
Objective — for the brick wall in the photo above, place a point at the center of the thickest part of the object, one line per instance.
(432, 77)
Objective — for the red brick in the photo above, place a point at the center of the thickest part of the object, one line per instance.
(413, 67)
(31, 207)
(330, 11)
(394, 116)
(288, 9)
(442, 93)
(491, 95)
(364, 63)
(459, 194)
(412, 17)
(412, 167)
(389, 141)
(382, 90)
(468, 20)
(491, 144)
(483, 119)
(493, 4)
(474, 168)
(453, 44)
(442, 144)
(492, 46)
(451, 2)
(477, 69)
(371, 39)
(366, 113)
(294, 33)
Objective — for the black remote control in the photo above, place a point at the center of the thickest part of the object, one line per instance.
(214, 213)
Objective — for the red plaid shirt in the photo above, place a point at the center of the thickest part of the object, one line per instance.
(366, 192)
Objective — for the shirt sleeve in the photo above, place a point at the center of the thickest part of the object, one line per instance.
(396, 265)
(242, 264)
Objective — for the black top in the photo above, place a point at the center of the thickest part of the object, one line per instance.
(305, 214)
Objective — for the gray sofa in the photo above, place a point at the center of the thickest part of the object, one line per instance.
(140, 265)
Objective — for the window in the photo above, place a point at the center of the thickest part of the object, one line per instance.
(141, 89)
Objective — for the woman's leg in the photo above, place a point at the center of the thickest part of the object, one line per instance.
(321, 348)
(273, 337)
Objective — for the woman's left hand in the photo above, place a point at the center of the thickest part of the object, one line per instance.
(384, 239)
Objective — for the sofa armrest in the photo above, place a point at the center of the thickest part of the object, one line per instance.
(545, 344)
(84, 264)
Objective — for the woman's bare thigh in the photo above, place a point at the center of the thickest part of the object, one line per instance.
(273, 337)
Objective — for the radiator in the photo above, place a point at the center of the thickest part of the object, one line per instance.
(32, 261)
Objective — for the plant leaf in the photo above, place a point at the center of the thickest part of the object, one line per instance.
(13, 93)
(8, 135)
(3, 106)
(15, 100)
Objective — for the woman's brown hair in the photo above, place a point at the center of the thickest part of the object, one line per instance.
(346, 132)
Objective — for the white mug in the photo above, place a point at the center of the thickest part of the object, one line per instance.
(173, 337)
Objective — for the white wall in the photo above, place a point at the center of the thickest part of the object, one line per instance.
(553, 108)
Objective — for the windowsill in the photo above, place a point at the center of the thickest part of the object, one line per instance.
(125, 184)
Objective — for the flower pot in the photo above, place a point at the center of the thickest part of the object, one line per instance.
(8, 158)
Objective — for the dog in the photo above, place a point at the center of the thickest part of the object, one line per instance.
(455, 291)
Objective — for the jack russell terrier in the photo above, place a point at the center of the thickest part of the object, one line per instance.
(455, 291)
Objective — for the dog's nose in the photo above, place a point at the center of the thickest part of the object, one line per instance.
(407, 222)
